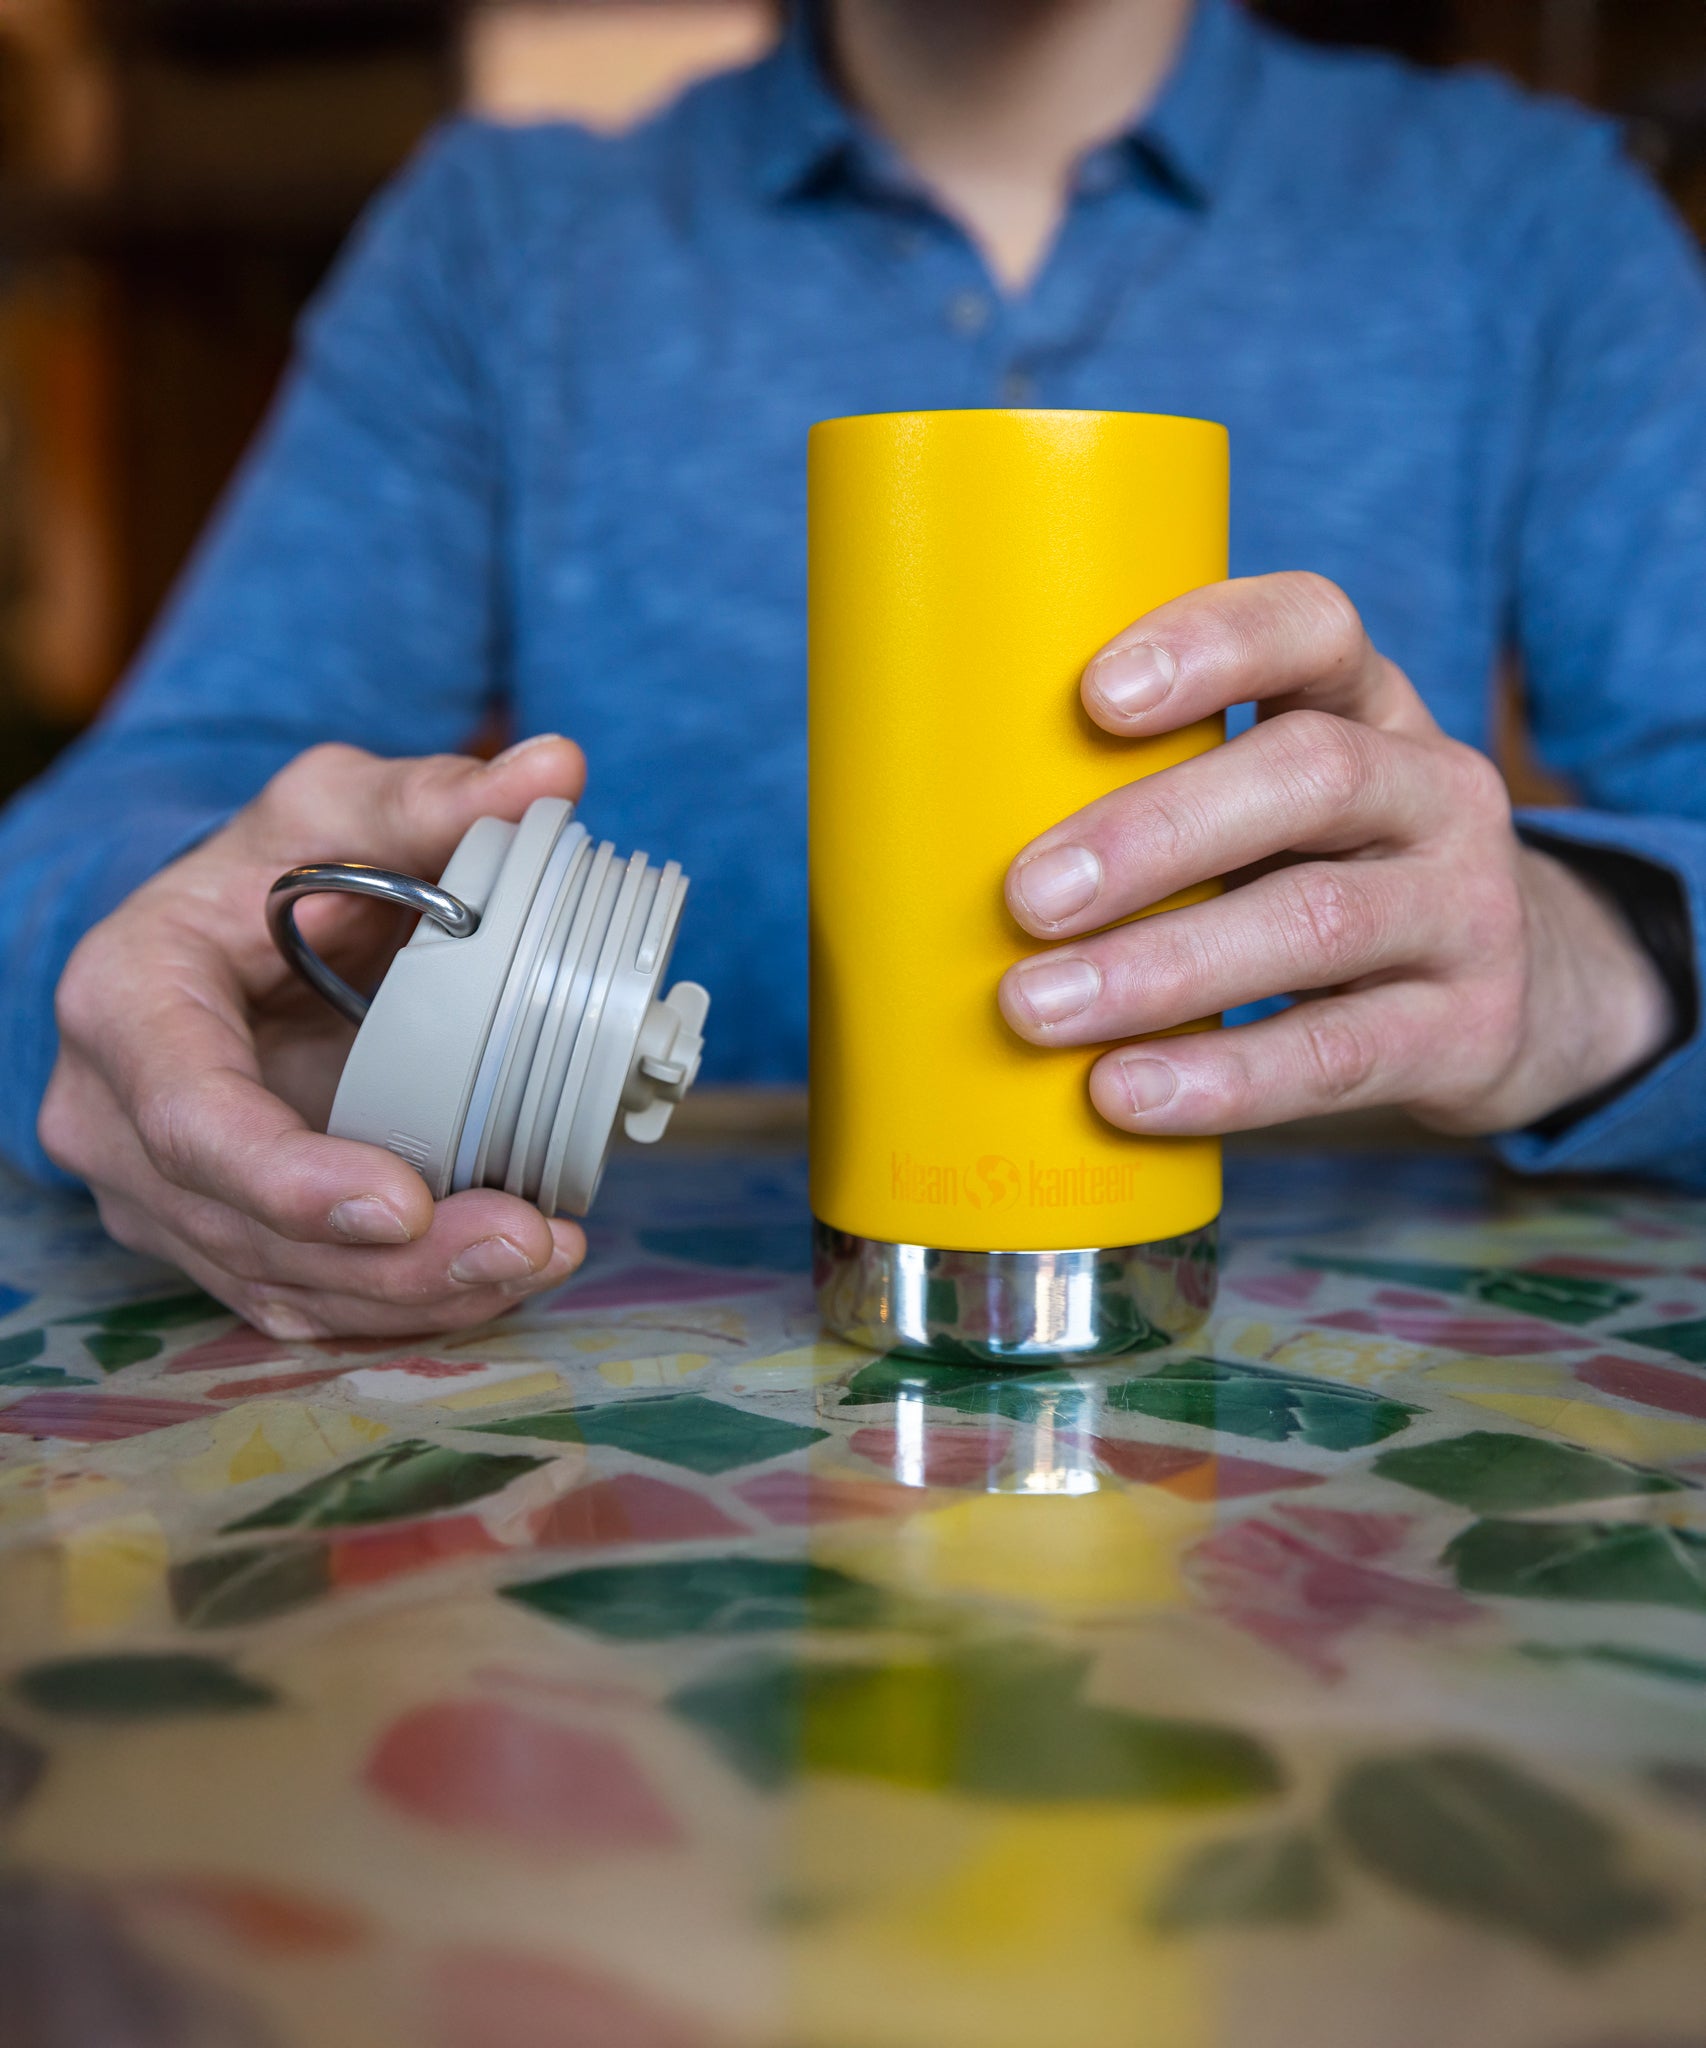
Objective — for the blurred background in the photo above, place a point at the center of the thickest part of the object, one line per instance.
(176, 174)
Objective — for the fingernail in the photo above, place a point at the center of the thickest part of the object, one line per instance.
(366, 1219)
(492, 1260)
(1128, 681)
(538, 739)
(1053, 989)
(288, 1325)
(552, 1274)
(1148, 1084)
(1054, 884)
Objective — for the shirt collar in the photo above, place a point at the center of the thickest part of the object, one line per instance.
(805, 134)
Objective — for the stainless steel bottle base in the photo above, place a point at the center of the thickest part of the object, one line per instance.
(1014, 1308)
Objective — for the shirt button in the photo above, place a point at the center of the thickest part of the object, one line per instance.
(908, 242)
(1017, 388)
(968, 312)
(1096, 175)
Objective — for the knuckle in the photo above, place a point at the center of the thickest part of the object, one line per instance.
(1340, 1052)
(1328, 922)
(1333, 621)
(1478, 787)
(1327, 758)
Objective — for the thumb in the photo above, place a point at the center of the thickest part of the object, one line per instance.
(338, 803)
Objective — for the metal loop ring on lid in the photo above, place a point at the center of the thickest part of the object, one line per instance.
(352, 878)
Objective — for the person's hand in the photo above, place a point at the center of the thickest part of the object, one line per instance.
(193, 1061)
(1442, 965)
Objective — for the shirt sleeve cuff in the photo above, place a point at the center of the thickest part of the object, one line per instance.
(1657, 1124)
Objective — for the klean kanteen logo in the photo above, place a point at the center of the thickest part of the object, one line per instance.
(993, 1182)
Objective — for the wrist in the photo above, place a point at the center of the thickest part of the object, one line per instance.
(1598, 1007)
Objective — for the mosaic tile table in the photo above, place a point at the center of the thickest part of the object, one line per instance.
(645, 1672)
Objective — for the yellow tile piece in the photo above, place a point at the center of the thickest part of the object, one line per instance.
(1502, 1376)
(523, 1388)
(263, 1438)
(668, 1370)
(1647, 1439)
(798, 1370)
(1118, 1547)
(115, 1574)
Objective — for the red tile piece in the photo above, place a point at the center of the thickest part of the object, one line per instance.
(241, 1346)
(432, 1368)
(795, 1499)
(368, 1557)
(95, 1418)
(493, 1998)
(1578, 1265)
(261, 1917)
(1147, 1464)
(1653, 1386)
(950, 1457)
(484, 1767)
(275, 1383)
(631, 1507)
(1193, 1476)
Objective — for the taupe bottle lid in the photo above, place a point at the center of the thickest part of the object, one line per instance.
(506, 1057)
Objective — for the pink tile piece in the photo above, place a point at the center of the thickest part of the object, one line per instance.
(494, 1998)
(632, 1508)
(795, 1499)
(1489, 1336)
(96, 1418)
(1277, 1290)
(1303, 1598)
(484, 1767)
(1653, 1386)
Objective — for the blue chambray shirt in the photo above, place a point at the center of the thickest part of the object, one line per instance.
(544, 448)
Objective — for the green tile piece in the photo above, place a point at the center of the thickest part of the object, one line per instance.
(1681, 1340)
(166, 1312)
(139, 1686)
(1638, 1562)
(1499, 1472)
(743, 1247)
(649, 1603)
(21, 1348)
(1253, 1401)
(228, 1587)
(1278, 1879)
(1475, 1837)
(1648, 1663)
(677, 1429)
(112, 1350)
(1558, 1297)
(1005, 1723)
(973, 1389)
(403, 1479)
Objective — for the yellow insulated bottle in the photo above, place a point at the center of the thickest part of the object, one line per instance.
(965, 566)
